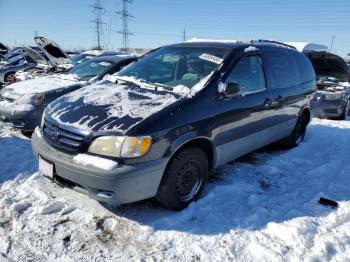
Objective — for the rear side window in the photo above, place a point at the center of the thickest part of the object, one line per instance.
(306, 70)
(249, 73)
(285, 69)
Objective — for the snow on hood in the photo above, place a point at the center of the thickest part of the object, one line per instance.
(106, 106)
(38, 85)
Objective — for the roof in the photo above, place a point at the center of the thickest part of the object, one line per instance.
(305, 46)
(111, 58)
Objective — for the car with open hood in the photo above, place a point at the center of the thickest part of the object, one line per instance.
(157, 127)
(22, 103)
(332, 99)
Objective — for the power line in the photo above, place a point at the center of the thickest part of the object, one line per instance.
(99, 11)
(125, 16)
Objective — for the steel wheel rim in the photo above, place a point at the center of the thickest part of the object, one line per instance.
(189, 180)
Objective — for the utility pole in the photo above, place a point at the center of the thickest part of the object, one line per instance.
(125, 16)
(333, 37)
(99, 11)
(184, 35)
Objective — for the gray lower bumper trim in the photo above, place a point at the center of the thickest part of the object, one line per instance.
(128, 183)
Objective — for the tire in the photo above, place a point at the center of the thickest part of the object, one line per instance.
(27, 134)
(184, 179)
(345, 112)
(9, 77)
(298, 134)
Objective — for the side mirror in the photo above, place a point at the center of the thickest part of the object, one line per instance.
(231, 89)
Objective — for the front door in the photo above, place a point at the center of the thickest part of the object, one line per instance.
(245, 118)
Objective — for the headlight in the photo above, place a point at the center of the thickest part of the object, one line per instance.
(35, 100)
(121, 146)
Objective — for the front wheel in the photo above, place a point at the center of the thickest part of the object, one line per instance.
(345, 112)
(184, 179)
(298, 134)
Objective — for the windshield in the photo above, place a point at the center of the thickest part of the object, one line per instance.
(173, 66)
(89, 69)
(16, 58)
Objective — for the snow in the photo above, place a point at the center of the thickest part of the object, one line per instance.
(37, 85)
(99, 162)
(93, 52)
(195, 39)
(119, 102)
(262, 207)
(250, 49)
(305, 46)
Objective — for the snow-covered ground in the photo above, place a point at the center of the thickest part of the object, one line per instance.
(263, 207)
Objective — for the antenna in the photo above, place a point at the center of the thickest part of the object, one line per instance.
(184, 35)
(125, 16)
(99, 11)
(333, 37)
(36, 33)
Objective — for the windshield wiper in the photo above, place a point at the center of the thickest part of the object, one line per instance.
(129, 82)
(156, 85)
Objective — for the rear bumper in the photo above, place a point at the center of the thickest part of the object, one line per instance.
(21, 119)
(123, 184)
(329, 109)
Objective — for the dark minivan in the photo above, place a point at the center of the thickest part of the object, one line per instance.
(157, 127)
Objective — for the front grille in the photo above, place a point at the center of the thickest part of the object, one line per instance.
(331, 111)
(66, 138)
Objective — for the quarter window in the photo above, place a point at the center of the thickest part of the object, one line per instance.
(249, 74)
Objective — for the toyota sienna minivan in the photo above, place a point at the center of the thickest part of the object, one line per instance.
(160, 125)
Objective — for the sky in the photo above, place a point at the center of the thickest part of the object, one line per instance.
(160, 22)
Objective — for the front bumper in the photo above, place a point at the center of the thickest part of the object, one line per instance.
(21, 119)
(330, 108)
(123, 184)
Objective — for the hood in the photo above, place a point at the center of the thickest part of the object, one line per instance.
(329, 65)
(53, 51)
(3, 48)
(37, 86)
(38, 58)
(106, 106)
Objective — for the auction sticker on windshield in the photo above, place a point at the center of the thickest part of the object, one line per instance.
(45, 168)
(211, 58)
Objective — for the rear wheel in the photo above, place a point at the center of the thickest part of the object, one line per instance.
(184, 179)
(298, 134)
(10, 77)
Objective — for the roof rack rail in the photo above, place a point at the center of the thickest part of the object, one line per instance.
(274, 42)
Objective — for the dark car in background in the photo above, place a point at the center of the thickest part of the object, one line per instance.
(22, 103)
(332, 99)
(20, 61)
(157, 127)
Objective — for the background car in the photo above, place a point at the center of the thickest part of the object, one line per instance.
(332, 99)
(22, 103)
